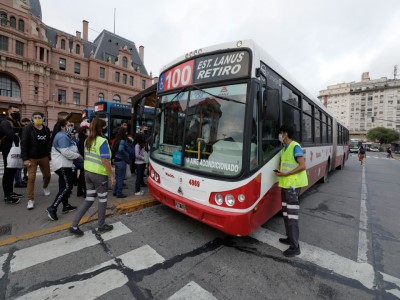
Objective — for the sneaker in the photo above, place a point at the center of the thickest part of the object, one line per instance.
(31, 204)
(141, 193)
(290, 252)
(122, 196)
(284, 241)
(76, 231)
(20, 185)
(52, 213)
(11, 199)
(68, 208)
(105, 228)
(16, 194)
(46, 191)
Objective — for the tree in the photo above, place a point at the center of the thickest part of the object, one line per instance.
(383, 135)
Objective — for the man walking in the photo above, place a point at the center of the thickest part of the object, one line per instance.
(10, 127)
(292, 176)
(35, 151)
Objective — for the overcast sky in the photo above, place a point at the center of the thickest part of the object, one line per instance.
(319, 42)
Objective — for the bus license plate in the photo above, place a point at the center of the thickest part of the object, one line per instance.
(181, 206)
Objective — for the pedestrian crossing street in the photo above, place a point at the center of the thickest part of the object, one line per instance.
(112, 274)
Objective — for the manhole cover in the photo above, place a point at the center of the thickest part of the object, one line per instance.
(5, 229)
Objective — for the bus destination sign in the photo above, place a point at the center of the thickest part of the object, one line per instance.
(210, 68)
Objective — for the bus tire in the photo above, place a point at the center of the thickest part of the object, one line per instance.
(341, 167)
(325, 178)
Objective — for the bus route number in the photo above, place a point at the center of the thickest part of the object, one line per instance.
(179, 76)
(194, 182)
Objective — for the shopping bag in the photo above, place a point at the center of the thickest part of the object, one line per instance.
(14, 159)
(128, 173)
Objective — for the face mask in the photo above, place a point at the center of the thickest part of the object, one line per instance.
(104, 130)
(87, 132)
(16, 116)
(69, 130)
(38, 121)
(280, 137)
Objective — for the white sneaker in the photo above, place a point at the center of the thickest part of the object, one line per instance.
(141, 193)
(31, 204)
(46, 191)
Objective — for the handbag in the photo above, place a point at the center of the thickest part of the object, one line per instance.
(14, 159)
(128, 173)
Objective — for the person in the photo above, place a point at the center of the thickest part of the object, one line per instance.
(292, 177)
(361, 154)
(25, 122)
(83, 133)
(124, 153)
(10, 128)
(35, 151)
(139, 163)
(389, 152)
(63, 152)
(199, 130)
(97, 169)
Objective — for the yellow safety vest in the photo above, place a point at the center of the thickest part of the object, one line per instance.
(93, 161)
(289, 163)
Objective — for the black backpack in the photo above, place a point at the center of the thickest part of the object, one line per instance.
(362, 151)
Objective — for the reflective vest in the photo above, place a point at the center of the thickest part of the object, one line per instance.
(289, 163)
(93, 161)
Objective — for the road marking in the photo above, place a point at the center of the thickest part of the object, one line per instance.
(138, 259)
(362, 234)
(192, 291)
(37, 254)
(86, 289)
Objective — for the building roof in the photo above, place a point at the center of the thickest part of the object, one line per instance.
(36, 9)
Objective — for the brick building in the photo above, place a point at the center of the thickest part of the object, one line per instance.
(45, 69)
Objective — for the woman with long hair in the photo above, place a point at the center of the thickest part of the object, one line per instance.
(123, 153)
(63, 152)
(97, 170)
(139, 162)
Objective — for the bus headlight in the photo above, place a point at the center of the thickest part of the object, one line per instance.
(152, 174)
(241, 198)
(229, 200)
(219, 199)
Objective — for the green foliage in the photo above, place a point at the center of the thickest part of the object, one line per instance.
(383, 135)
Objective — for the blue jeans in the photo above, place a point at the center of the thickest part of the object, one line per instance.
(18, 176)
(120, 171)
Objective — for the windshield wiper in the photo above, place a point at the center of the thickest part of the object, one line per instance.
(181, 91)
(219, 97)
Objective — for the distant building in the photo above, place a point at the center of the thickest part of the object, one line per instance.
(45, 69)
(364, 105)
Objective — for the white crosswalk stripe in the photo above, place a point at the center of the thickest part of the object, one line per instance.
(192, 291)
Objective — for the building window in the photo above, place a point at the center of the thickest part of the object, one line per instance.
(19, 48)
(63, 64)
(124, 62)
(21, 25)
(131, 80)
(13, 22)
(102, 72)
(77, 98)
(117, 98)
(63, 44)
(117, 76)
(3, 43)
(62, 96)
(3, 17)
(143, 84)
(130, 100)
(100, 96)
(78, 49)
(124, 78)
(77, 68)
(9, 87)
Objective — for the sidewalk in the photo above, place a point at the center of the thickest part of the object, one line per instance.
(19, 223)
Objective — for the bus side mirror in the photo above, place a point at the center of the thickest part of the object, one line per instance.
(271, 107)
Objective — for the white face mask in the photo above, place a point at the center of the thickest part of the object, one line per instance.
(280, 137)
(69, 130)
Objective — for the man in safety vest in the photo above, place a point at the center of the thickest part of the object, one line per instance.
(292, 177)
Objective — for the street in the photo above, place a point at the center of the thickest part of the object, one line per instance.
(349, 238)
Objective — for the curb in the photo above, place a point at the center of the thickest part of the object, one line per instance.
(124, 208)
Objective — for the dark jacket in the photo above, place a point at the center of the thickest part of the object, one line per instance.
(31, 147)
(10, 129)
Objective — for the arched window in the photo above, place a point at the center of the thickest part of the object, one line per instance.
(13, 22)
(100, 96)
(78, 49)
(130, 100)
(63, 44)
(21, 25)
(3, 17)
(9, 87)
(124, 62)
(117, 98)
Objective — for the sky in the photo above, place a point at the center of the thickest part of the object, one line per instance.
(320, 43)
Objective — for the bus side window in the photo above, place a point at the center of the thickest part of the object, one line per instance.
(270, 123)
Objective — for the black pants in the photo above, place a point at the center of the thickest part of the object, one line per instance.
(8, 178)
(139, 176)
(290, 210)
(81, 182)
(65, 185)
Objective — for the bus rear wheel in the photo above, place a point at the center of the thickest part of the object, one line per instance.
(325, 178)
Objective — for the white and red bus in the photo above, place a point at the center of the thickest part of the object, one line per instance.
(215, 142)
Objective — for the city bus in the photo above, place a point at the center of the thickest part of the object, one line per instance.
(113, 113)
(143, 107)
(87, 114)
(215, 141)
(354, 145)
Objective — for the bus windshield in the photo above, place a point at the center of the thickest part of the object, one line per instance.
(202, 130)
